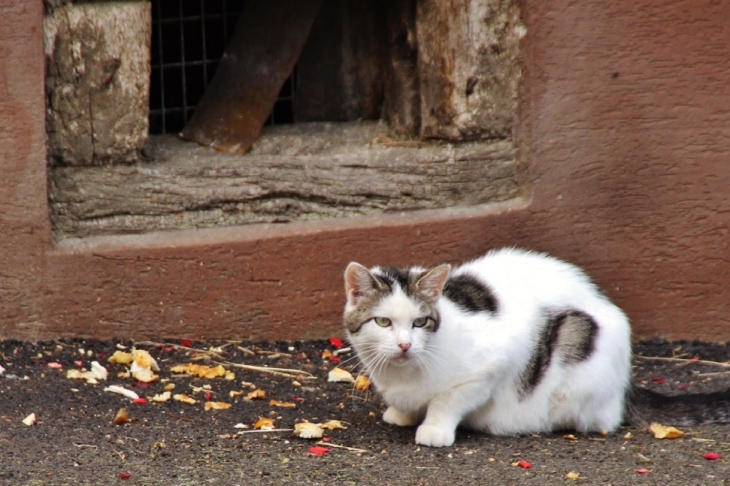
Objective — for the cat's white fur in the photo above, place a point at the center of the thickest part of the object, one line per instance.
(467, 372)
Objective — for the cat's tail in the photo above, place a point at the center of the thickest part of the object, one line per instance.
(645, 406)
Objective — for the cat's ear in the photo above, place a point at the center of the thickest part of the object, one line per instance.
(358, 281)
(431, 283)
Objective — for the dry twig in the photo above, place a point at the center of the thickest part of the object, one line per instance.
(261, 431)
(682, 361)
(330, 444)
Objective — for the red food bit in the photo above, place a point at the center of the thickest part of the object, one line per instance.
(125, 475)
(297, 399)
(140, 401)
(711, 456)
(186, 342)
(658, 380)
(325, 439)
(55, 365)
(319, 451)
(524, 464)
(141, 384)
(336, 342)
(208, 395)
(79, 363)
(682, 387)
(643, 471)
(335, 359)
(168, 349)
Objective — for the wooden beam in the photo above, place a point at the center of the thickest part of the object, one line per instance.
(469, 65)
(265, 46)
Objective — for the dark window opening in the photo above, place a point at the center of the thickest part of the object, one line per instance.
(189, 38)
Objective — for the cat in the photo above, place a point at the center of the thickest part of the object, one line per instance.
(514, 342)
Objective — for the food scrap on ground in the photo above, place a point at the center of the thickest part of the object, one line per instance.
(277, 403)
(92, 376)
(217, 406)
(143, 366)
(184, 398)
(121, 417)
(319, 451)
(203, 371)
(264, 424)
(255, 395)
(362, 383)
(122, 391)
(332, 425)
(162, 397)
(664, 432)
(338, 374)
(307, 430)
(30, 420)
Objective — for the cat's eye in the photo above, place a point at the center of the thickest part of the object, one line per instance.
(421, 321)
(382, 321)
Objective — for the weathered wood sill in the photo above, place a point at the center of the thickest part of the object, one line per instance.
(298, 172)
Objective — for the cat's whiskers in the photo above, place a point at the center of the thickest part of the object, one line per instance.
(383, 359)
(372, 358)
(356, 358)
(427, 363)
(430, 361)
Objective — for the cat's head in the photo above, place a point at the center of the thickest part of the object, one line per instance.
(391, 313)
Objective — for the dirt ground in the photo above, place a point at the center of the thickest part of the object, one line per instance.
(74, 440)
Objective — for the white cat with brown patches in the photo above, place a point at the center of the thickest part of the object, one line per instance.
(513, 342)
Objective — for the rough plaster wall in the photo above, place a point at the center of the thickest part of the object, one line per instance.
(24, 222)
(631, 114)
(97, 82)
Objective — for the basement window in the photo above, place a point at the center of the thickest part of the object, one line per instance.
(389, 106)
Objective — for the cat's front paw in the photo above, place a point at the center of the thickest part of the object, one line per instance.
(435, 436)
(394, 416)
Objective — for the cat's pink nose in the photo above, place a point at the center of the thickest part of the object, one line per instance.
(404, 346)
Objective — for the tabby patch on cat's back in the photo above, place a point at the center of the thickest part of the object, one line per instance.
(513, 342)
(470, 294)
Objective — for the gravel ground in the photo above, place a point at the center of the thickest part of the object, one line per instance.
(74, 440)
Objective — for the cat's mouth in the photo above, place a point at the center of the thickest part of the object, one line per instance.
(401, 359)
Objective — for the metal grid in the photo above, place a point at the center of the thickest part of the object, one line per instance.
(188, 40)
